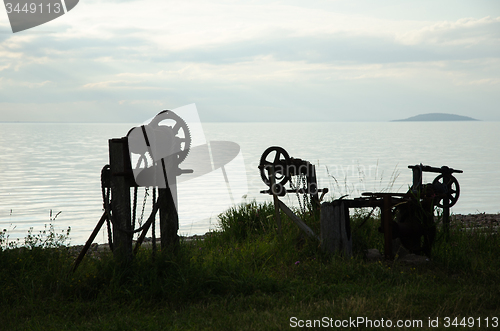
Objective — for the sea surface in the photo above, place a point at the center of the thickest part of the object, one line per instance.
(50, 172)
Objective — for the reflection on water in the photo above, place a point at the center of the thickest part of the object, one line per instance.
(57, 167)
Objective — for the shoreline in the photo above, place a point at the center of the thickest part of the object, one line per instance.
(470, 221)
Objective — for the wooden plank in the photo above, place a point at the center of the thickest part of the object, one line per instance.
(335, 228)
(297, 220)
(272, 181)
(89, 241)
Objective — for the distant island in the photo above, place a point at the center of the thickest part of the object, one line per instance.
(432, 117)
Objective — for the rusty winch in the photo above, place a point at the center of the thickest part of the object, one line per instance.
(299, 174)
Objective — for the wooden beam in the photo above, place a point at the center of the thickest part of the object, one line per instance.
(89, 241)
(119, 162)
(297, 220)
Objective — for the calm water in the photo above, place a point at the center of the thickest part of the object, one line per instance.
(57, 167)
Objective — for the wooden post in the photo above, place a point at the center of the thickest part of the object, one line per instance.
(335, 228)
(169, 218)
(417, 177)
(119, 162)
(272, 181)
(386, 224)
(446, 206)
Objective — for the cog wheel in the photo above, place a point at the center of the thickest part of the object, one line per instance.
(169, 119)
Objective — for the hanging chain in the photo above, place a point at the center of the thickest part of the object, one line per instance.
(305, 198)
(301, 179)
(106, 197)
(108, 220)
(296, 189)
(153, 227)
(146, 194)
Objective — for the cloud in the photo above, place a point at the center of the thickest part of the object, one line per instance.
(237, 57)
(485, 81)
(283, 46)
(463, 32)
(118, 84)
(27, 84)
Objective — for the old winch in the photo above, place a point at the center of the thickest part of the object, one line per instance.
(299, 174)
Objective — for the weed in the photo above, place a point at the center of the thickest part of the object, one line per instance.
(47, 238)
(4, 240)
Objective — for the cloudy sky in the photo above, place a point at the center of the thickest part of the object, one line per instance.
(315, 60)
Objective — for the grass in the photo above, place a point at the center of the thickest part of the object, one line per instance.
(245, 277)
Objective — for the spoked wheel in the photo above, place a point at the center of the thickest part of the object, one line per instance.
(279, 158)
(449, 187)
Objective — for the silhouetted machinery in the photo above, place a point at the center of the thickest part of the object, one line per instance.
(408, 216)
(299, 174)
(445, 187)
(150, 156)
(415, 218)
(158, 148)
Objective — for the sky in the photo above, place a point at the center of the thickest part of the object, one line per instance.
(254, 61)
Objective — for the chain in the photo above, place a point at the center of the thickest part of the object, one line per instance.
(301, 179)
(296, 189)
(146, 194)
(305, 197)
(106, 198)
